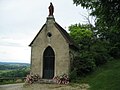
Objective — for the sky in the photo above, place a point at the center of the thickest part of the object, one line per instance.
(20, 21)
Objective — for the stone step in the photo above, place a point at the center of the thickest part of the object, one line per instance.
(46, 81)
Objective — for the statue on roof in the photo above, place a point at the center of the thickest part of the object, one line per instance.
(51, 9)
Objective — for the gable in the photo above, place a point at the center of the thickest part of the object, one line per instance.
(37, 34)
(63, 32)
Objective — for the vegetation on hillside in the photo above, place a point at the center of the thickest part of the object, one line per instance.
(93, 51)
(13, 72)
(107, 22)
(100, 42)
(106, 77)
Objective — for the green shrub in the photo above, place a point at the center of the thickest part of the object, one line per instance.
(115, 51)
(101, 58)
(83, 64)
(73, 75)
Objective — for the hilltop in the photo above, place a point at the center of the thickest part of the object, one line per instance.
(14, 63)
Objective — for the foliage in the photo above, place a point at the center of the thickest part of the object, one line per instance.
(106, 11)
(83, 64)
(93, 50)
(11, 67)
(107, 23)
(100, 59)
(73, 75)
(16, 73)
(115, 51)
(80, 33)
(13, 72)
(100, 52)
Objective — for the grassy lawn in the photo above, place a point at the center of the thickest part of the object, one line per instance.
(106, 77)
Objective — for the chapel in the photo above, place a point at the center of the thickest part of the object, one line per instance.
(52, 49)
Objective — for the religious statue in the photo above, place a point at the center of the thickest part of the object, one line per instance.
(51, 9)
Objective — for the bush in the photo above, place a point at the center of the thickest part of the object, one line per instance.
(83, 64)
(115, 51)
(73, 75)
(100, 52)
(101, 58)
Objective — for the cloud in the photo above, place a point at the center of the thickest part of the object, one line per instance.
(8, 41)
(10, 44)
(20, 21)
(14, 54)
(14, 50)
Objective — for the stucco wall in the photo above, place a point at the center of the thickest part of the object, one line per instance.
(58, 44)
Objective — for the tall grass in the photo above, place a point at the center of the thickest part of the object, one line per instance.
(106, 77)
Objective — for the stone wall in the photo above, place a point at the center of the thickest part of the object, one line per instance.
(58, 44)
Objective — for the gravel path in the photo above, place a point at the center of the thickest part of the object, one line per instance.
(18, 86)
(21, 86)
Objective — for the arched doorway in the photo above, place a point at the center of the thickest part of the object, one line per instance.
(48, 63)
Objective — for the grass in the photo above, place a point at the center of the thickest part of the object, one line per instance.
(106, 77)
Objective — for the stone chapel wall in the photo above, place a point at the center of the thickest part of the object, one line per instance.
(58, 43)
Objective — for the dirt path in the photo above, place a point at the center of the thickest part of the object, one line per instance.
(12, 86)
(21, 86)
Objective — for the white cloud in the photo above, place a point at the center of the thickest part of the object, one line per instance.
(20, 21)
(14, 50)
(14, 54)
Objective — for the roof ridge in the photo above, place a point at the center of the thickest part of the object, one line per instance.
(66, 35)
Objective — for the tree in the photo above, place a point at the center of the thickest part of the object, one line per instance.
(107, 13)
(82, 35)
(93, 51)
(84, 62)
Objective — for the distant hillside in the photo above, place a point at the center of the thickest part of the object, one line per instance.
(13, 70)
(12, 65)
